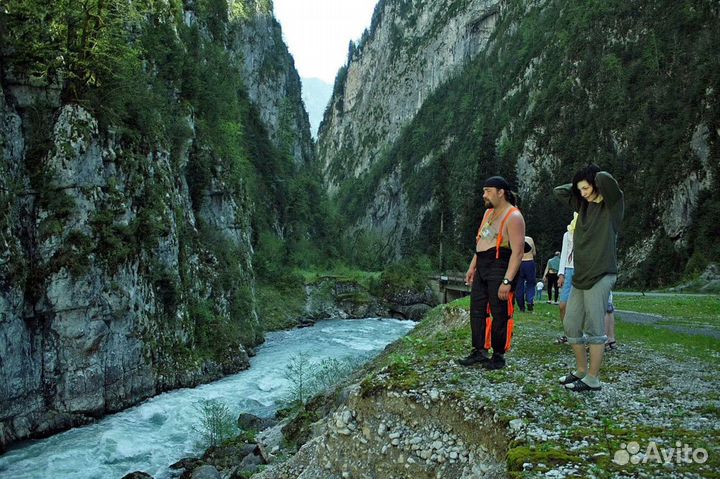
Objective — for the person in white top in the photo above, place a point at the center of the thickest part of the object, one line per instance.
(566, 270)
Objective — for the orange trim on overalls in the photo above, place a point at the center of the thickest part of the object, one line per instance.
(502, 227)
(511, 321)
(500, 231)
(488, 328)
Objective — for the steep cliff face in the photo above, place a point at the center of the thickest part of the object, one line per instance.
(412, 47)
(542, 88)
(126, 264)
(272, 82)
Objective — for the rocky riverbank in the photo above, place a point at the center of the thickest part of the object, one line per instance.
(416, 413)
(330, 296)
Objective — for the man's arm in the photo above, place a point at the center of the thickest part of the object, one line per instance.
(470, 275)
(516, 233)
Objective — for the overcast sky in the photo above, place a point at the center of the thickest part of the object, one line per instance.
(317, 32)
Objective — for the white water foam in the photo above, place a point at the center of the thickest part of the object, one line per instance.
(159, 432)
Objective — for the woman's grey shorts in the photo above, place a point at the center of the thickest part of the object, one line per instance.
(585, 316)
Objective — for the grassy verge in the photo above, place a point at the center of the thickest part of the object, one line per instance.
(342, 273)
(658, 389)
(279, 305)
(684, 330)
(676, 344)
(685, 309)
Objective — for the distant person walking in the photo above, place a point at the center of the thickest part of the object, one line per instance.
(525, 289)
(600, 204)
(551, 276)
(538, 290)
(493, 273)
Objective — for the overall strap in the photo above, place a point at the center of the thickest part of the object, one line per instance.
(500, 232)
(487, 213)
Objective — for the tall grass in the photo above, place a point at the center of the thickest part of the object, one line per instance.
(308, 378)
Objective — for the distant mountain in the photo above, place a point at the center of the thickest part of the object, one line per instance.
(315, 94)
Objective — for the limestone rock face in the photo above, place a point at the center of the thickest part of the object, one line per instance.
(389, 214)
(85, 339)
(685, 196)
(410, 53)
(406, 58)
(271, 81)
(110, 270)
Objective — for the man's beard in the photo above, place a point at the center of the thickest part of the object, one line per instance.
(488, 204)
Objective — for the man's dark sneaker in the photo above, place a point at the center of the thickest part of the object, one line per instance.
(530, 306)
(496, 362)
(475, 357)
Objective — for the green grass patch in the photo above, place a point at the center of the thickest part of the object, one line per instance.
(701, 309)
(399, 372)
(422, 350)
(340, 273)
(462, 302)
(543, 454)
(278, 308)
(673, 343)
(685, 311)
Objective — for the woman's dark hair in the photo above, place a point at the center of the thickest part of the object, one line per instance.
(511, 196)
(588, 174)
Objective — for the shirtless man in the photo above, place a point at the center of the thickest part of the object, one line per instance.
(498, 253)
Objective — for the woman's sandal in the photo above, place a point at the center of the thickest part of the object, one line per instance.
(611, 346)
(569, 378)
(580, 386)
